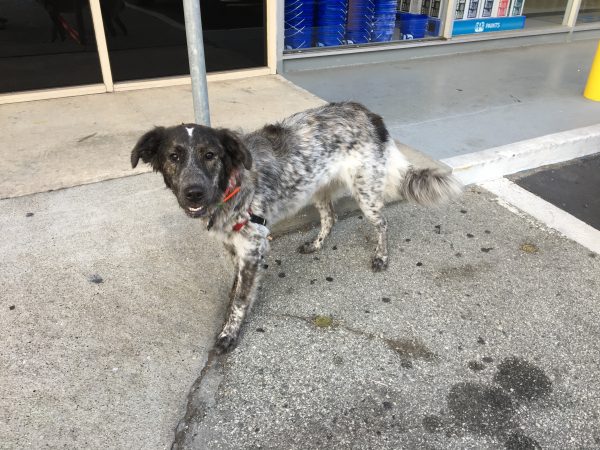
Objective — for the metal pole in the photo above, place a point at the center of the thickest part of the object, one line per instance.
(195, 45)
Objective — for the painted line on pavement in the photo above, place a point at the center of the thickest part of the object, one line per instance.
(495, 162)
(545, 212)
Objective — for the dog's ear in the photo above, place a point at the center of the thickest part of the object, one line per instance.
(235, 148)
(147, 147)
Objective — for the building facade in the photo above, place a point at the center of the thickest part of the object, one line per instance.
(55, 48)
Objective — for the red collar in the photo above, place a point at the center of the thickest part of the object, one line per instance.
(232, 189)
(238, 226)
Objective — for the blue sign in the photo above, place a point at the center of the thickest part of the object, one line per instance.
(484, 25)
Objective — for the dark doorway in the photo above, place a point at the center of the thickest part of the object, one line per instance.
(146, 38)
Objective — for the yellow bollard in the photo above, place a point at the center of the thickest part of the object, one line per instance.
(592, 88)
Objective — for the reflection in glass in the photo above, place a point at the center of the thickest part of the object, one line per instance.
(146, 38)
(46, 44)
(589, 12)
(542, 13)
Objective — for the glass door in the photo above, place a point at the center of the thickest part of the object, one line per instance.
(146, 38)
(46, 44)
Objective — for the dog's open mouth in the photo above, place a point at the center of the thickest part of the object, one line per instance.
(197, 211)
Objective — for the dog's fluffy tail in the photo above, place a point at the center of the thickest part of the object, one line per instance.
(423, 186)
(429, 186)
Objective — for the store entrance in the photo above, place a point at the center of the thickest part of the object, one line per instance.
(146, 38)
(51, 43)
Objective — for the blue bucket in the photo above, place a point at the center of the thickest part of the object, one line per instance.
(331, 22)
(298, 23)
(412, 26)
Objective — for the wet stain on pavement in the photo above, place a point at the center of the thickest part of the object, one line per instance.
(406, 364)
(522, 379)
(490, 409)
(433, 423)
(518, 441)
(96, 279)
(466, 271)
(411, 348)
(475, 366)
(480, 409)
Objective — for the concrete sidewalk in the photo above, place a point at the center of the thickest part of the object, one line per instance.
(107, 315)
(459, 104)
(481, 334)
(54, 144)
(112, 298)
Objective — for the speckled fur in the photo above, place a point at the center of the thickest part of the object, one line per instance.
(280, 168)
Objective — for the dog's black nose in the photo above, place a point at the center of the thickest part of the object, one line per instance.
(193, 194)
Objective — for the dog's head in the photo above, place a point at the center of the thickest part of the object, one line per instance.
(195, 161)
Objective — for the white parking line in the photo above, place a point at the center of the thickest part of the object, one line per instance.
(545, 212)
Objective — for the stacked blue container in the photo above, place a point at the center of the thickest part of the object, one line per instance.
(331, 22)
(360, 21)
(384, 20)
(298, 28)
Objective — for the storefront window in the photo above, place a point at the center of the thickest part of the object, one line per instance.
(544, 13)
(333, 23)
(589, 12)
(482, 16)
(46, 44)
(146, 38)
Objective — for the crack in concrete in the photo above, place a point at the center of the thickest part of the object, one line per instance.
(201, 396)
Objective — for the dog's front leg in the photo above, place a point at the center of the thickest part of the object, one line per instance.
(243, 293)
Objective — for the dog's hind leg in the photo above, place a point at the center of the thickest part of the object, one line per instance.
(368, 193)
(324, 205)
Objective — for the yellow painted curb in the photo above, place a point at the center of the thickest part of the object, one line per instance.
(592, 88)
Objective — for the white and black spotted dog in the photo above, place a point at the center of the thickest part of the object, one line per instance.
(241, 184)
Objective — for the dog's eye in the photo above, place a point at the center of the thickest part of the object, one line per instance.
(209, 155)
(174, 157)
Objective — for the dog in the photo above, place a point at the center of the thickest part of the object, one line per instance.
(239, 185)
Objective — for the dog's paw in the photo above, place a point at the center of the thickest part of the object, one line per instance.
(225, 343)
(379, 263)
(307, 247)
